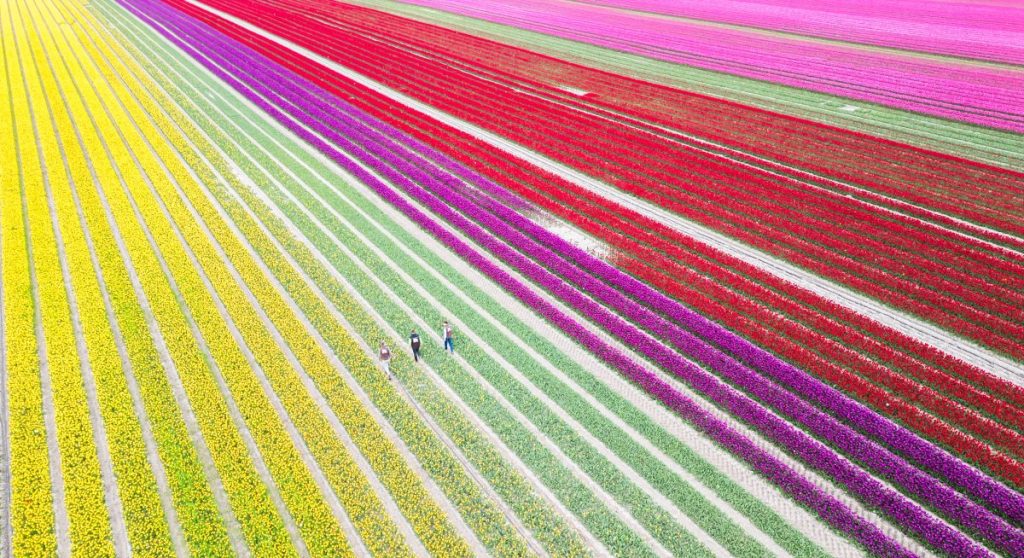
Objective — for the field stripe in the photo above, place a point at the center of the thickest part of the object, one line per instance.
(917, 328)
(9, 161)
(47, 313)
(988, 145)
(117, 208)
(134, 461)
(102, 352)
(144, 354)
(193, 378)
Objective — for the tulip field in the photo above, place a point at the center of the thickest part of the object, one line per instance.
(739, 278)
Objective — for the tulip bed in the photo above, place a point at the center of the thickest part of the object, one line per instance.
(220, 208)
(804, 346)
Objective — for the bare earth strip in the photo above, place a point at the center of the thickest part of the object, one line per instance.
(917, 328)
(5, 417)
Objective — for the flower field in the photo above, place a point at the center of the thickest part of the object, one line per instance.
(725, 279)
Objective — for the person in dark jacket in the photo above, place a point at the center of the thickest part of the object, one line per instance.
(414, 342)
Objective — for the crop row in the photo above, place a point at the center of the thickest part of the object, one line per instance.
(965, 31)
(341, 88)
(400, 483)
(154, 246)
(137, 489)
(871, 462)
(918, 85)
(427, 223)
(195, 507)
(989, 526)
(460, 351)
(511, 485)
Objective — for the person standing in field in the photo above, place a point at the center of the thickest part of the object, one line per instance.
(385, 358)
(446, 332)
(414, 342)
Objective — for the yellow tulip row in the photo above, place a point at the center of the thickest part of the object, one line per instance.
(263, 528)
(196, 509)
(250, 499)
(482, 515)
(147, 533)
(206, 531)
(425, 516)
(272, 360)
(32, 518)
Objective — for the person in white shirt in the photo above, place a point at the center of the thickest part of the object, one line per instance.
(385, 358)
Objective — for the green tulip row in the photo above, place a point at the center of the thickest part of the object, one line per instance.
(32, 517)
(426, 517)
(510, 484)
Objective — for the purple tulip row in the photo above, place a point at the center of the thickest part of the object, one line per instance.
(299, 94)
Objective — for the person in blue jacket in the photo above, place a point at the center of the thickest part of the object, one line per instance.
(446, 332)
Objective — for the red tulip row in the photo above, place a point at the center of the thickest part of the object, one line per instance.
(784, 345)
(743, 213)
(881, 165)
